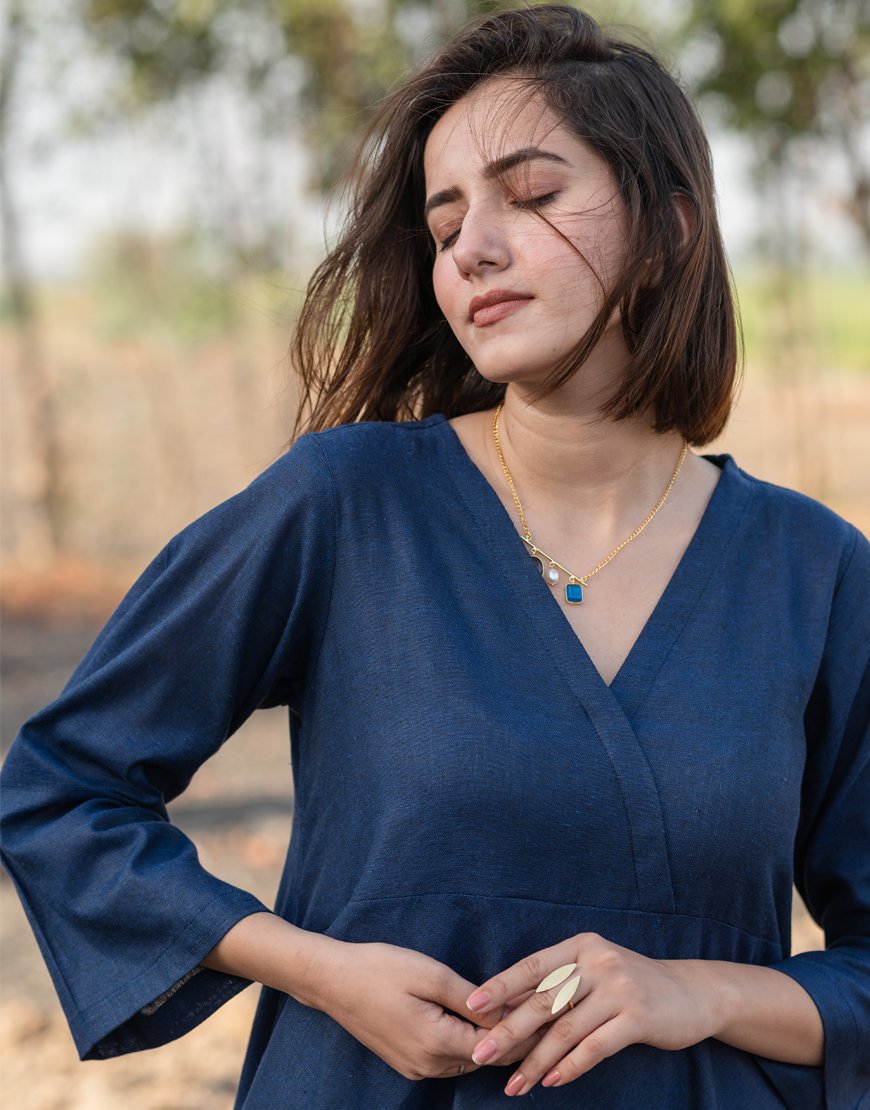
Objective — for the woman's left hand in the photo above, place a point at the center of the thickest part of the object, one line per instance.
(622, 998)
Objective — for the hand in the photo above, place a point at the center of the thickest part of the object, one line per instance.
(622, 998)
(403, 1005)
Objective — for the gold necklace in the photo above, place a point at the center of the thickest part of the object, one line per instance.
(576, 583)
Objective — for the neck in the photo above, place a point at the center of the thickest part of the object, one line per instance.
(562, 453)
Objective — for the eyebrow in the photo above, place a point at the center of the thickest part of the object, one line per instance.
(492, 170)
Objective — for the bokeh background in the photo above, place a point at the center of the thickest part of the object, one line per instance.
(169, 172)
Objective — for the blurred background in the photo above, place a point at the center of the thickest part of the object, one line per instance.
(168, 173)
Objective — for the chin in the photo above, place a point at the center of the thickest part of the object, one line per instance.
(505, 373)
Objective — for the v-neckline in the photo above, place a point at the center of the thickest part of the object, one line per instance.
(696, 566)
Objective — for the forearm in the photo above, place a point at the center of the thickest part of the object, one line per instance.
(269, 950)
(760, 1010)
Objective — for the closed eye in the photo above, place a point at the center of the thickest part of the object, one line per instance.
(520, 202)
(534, 202)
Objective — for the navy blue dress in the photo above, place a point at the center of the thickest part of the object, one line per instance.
(466, 783)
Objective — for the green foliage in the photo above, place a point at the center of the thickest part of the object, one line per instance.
(782, 71)
(165, 46)
(350, 54)
(783, 64)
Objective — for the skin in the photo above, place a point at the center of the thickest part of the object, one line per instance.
(625, 998)
(585, 483)
(406, 1007)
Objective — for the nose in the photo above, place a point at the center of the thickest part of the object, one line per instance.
(481, 245)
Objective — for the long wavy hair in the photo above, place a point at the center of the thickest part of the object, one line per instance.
(371, 342)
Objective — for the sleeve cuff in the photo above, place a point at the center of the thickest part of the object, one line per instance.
(168, 998)
(843, 1081)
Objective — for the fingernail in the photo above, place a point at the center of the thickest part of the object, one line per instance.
(516, 1084)
(551, 1080)
(484, 1051)
(478, 1001)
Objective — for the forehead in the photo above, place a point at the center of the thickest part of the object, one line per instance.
(496, 117)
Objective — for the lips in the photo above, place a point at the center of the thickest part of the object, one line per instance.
(491, 307)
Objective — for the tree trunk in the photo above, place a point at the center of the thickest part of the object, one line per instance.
(40, 527)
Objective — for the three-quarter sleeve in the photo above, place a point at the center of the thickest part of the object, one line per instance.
(229, 617)
(832, 857)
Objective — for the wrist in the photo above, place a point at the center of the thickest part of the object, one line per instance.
(725, 994)
(717, 991)
(762, 1010)
(318, 971)
(269, 950)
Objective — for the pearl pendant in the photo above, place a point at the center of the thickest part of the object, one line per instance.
(552, 576)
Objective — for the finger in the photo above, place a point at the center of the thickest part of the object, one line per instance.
(490, 1020)
(512, 1003)
(560, 1038)
(443, 985)
(458, 1030)
(606, 1040)
(522, 976)
(469, 1066)
(453, 1038)
(442, 1040)
(522, 1050)
(518, 1024)
(456, 1069)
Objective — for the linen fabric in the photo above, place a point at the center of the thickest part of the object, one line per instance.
(466, 784)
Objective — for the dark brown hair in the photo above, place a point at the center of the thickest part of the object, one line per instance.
(371, 343)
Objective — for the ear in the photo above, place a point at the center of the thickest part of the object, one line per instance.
(687, 214)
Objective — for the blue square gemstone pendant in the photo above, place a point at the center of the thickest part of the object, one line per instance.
(574, 593)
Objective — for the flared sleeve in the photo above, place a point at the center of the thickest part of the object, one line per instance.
(229, 617)
(832, 856)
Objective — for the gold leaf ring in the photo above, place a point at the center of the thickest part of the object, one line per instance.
(555, 977)
(566, 994)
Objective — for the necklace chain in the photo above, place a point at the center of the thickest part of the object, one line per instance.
(537, 553)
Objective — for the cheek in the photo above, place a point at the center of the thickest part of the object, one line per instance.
(584, 273)
(608, 244)
(444, 284)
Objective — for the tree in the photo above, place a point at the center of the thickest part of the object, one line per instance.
(41, 524)
(346, 55)
(786, 72)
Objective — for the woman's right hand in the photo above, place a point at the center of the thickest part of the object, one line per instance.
(405, 1006)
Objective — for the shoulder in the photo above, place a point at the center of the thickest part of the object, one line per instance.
(794, 526)
(306, 486)
(370, 449)
(294, 492)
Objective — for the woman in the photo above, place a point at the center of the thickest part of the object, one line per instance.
(548, 809)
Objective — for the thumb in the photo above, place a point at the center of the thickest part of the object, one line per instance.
(454, 990)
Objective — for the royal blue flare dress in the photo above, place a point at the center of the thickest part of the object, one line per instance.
(466, 784)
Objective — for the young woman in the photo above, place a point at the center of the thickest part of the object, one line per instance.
(571, 706)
